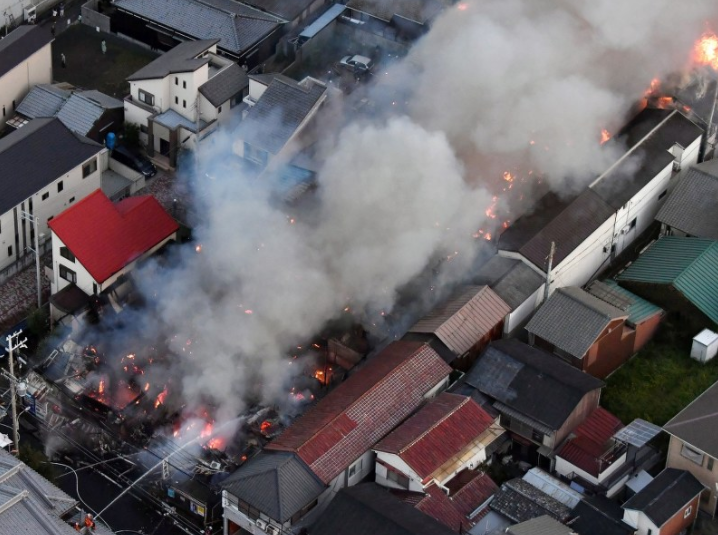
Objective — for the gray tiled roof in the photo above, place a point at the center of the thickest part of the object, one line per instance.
(690, 208)
(43, 101)
(224, 85)
(238, 27)
(511, 279)
(520, 501)
(278, 113)
(541, 525)
(668, 494)
(182, 58)
(697, 423)
(99, 98)
(286, 9)
(24, 159)
(79, 114)
(464, 318)
(531, 381)
(278, 484)
(20, 44)
(572, 319)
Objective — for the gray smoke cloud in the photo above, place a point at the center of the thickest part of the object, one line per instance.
(494, 85)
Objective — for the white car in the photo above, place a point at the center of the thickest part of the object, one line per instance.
(357, 63)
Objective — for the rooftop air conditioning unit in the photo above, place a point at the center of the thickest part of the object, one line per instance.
(272, 530)
(261, 524)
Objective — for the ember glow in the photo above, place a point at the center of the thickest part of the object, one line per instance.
(605, 136)
(264, 426)
(705, 51)
(161, 398)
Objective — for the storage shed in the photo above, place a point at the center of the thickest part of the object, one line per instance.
(705, 345)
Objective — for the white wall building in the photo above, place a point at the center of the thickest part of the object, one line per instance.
(591, 229)
(45, 169)
(183, 96)
(25, 61)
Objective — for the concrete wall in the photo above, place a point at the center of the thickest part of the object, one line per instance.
(93, 18)
(520, 316)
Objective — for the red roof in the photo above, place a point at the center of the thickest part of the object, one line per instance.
(362, 410)
(105, 237)
(473, 493)
(437, 432)
(591, 442)
(439, 506)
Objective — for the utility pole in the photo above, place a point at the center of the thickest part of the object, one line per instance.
(35, 221)
(547, 287)
(13, 343)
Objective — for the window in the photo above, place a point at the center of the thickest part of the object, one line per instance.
(60, 186)
(537, 436)
(356, 467)
(89, 167)
(67, 274)
(147, 98)
(692, 455)
(663, 194)
(219, 110)
(0, 226)
(399, 479)
(184, 84)
(45, 195)
(709, 465)
(143, 128)
(9, 250)
(94, 288)
(184, 103)
(72, 199)
(176, 100)
(176, 81)
(67, 254)
(688, 511)
(632, 224)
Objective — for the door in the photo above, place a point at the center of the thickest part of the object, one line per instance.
(164, 147)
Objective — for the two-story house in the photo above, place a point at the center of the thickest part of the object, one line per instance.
(449, 434)
(694, 444)
(333, 439)
(183, 96)
(96, 242)
(541, 398)
(25, 61)
(45, 168)
(590, 229)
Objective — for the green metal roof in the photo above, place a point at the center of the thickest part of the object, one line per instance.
(640, 309)
(689, 264)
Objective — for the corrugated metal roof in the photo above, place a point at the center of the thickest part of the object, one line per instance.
(689, 264)
(542, 525)
(465, 318)
(553, 487)
(690, 208)
(43, 101)
(237, 26)
(79, 114)
(322, 22)
(365, 408)
(521, 501)
(639, 309)
(437, 432)
(572, 320)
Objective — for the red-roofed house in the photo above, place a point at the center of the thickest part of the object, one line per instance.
(95, 242)
(447, 435)
(334, 438)
(592, 455)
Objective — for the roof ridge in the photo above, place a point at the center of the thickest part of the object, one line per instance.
(437, 423)
(590, 296)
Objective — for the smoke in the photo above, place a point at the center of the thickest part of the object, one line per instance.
(494, 85)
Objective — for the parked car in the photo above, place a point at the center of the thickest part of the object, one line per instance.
(134, 161)
(357, 63)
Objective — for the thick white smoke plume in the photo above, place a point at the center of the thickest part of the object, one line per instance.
(494, 85)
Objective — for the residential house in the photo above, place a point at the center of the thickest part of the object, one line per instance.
(334, 437)
(402, 20)
(590, 229)
(33, 183)
(25, 61)
(271, 489)
(689, 207)
(516, 284)
(541, 525)
(694, 444)
(541, 398)
(681, 275)
(369, 509)
(89, 113)
(30, 504)
(182, 96)
(14, 12)
(519, 501)
(280, 110)
(446, 436)
(95, 243)
(668, 505)
(596, 515)
(463, 325)
(292, 12)
(245, 34)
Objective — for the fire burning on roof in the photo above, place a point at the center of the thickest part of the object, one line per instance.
(705, 51)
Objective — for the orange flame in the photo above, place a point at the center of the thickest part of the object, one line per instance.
(664, 102)
(653, 88)
(508, 177)
(605, 136)
(264, 426)
(101, 387)
(161, 397)
(705, 51)
(147, 386)
(216, 443)
(206, 430)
